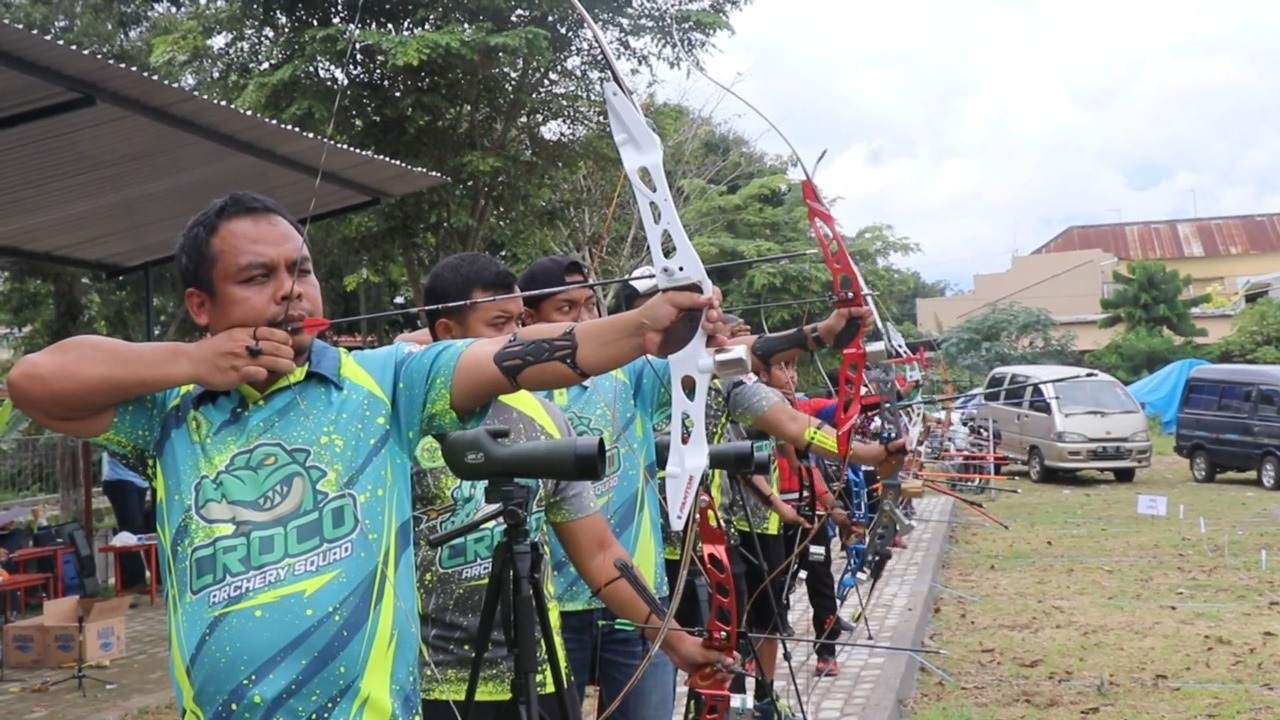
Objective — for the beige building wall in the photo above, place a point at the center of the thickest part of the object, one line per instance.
(1070, 285)
(1224, 271)
(1065, 284)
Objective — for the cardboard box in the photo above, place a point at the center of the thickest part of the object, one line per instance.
(53, 639)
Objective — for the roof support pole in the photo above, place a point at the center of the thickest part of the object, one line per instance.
(148, 303)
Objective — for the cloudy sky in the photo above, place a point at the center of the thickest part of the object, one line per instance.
(984, 127)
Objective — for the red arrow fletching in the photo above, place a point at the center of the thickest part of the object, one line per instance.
(312, 325)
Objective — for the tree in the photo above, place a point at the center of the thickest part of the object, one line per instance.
(497, 96)
(1255, 335)
(1151, 297)
(1137, 353)
(1004, 334)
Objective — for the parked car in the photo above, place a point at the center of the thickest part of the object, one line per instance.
(1087, 423)
(1229, 420)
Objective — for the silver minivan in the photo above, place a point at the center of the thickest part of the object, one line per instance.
(1052, 425)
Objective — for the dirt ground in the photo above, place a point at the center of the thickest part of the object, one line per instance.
(1088, 609)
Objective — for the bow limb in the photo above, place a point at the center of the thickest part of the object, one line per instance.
(678, 266)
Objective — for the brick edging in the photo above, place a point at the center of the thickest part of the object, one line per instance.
(897, 683)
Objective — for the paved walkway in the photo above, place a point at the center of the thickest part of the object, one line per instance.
(873, 683)
(871, 686)
(141, 678)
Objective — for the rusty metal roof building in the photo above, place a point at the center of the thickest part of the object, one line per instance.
(101, 166)
(1173, 239)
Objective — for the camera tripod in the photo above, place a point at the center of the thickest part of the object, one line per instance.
(80, 675)
(515, 580)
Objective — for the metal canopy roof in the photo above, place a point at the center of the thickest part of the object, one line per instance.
(101, 166)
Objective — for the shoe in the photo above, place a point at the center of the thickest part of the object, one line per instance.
(828, 667)
(845, 625)
(769, 710)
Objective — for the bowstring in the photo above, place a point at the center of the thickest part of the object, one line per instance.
(297, 267)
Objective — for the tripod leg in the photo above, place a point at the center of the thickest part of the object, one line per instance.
(548, 636)
(522, 617)
(489, 610)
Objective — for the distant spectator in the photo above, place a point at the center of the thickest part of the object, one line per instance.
(14, 536)
(127, 492)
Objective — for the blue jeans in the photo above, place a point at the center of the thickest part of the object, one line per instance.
(604, 656)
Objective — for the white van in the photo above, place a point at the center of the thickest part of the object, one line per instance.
(1052, 426)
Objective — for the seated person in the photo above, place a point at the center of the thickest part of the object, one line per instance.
(14, 536)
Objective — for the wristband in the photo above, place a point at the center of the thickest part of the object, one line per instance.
(818, 342)
(815, 437)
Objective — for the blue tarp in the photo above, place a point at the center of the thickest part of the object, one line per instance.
(1162, 391)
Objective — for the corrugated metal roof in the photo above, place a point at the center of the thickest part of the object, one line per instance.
(1172, 239)
(101, 166)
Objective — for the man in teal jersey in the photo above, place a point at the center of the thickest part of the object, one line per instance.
(452, 579)
(623, 407)
(282, 464)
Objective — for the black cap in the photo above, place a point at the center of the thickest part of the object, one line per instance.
(547, 273)
(642, 283)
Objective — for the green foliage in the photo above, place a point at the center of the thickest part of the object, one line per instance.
(503, 98)
(1255, 335)
(1004, 334)
(1151, 297)
(1138, 352)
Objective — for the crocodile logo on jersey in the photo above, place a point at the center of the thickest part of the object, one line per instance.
(585, 426)
(260, 486)
(282, 521)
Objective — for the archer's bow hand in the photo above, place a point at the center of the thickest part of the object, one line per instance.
(844, 325)
(789, 515)
(671, 320)
(841, 518)
(690, 655)
(895, 457)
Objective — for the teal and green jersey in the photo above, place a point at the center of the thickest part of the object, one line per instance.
(453, 578)
(621, 407)
(286, 535)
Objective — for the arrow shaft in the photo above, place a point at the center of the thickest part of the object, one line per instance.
(523, 294)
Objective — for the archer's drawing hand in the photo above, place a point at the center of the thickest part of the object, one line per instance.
(224, 361)
(417, 337)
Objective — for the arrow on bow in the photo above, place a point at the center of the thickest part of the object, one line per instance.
(316, 325)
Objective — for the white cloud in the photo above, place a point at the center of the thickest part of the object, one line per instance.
(982, 126)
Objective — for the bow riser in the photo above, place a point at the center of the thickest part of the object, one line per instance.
(722, 625)
(849, 290)
(677, 266)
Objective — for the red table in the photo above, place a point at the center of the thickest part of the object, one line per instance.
(31, 554)
(19, 583)
(149, 549)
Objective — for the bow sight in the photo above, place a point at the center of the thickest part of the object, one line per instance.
(733, 457)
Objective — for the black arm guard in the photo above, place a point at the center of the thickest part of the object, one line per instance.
(519, 355)
(767, 347)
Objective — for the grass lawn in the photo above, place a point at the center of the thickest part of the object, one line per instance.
(1087, 609)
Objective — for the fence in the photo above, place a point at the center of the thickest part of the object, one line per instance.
(30, 467)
